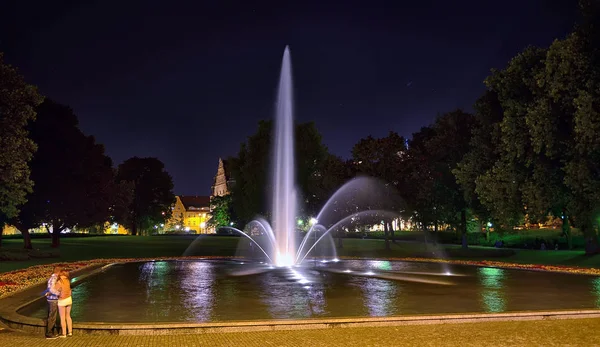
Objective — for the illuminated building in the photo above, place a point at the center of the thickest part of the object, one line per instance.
(190, 214)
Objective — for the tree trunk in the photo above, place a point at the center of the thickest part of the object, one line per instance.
(393, 236)
(55, 239)
(566, 229)
(386, 230)
(24, 230)
(1, 231)
(55, 235)
(134, 229)
(463, 225)
(26, 239)
(435, 232)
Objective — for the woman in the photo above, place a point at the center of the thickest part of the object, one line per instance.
(63, 286)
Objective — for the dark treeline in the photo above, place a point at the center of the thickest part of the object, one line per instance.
(531, 149)
(54, 177)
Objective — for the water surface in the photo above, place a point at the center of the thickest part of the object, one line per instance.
(203, 291)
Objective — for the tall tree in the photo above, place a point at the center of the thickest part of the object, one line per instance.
(152, 193)
(548, 149)
(434, 153)
(512, 183)
(383, 158)
(74, 180)
(483, 151)
(18, 101)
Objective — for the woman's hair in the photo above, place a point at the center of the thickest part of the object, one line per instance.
(64, 273)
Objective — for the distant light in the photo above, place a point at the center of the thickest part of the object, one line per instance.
(335, 260)
(162, 225)
(369, 273)
(300, 222)
(177, 227)
(203, 225)
(448, 273)
(156, 227)
(489, 224)
(347, 271)
(231, 223)
(313, 221)
(187, 228)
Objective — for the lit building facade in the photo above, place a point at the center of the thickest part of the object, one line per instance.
(190, 214)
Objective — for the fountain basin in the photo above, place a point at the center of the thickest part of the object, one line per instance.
(205, 292)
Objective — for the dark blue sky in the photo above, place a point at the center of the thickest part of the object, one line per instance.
(188, 81)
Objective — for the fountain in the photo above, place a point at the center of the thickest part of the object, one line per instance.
(284, 204)
(278, 241)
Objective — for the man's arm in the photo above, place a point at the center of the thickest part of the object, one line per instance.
(52, 286)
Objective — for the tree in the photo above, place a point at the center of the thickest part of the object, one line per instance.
(548, 153)
(18, 101)
(74, 180)
(251, 171)
(221, 211)
(152, 195)
(383, 158)
(511, 183)
(483, 151)
(434, 152)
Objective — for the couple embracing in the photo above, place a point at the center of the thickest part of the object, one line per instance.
(58, 295)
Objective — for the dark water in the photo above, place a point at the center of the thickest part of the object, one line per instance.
(201, 291)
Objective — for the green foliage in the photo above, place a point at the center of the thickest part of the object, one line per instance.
(547, 153)
(433, 154)
(17, 107)
(483, 151)
(221, 211)
(152, 195)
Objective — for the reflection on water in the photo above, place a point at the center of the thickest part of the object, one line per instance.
(202, 291)
(492, 291)
(197, 289)
(380, 297)
(290, 299)
(381, 264)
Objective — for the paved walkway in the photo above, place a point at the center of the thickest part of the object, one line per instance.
(572, 332)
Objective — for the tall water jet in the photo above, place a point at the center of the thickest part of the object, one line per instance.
(284, 201)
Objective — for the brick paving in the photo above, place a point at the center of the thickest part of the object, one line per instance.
(572, 332)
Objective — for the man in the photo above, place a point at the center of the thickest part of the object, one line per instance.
(52, 298)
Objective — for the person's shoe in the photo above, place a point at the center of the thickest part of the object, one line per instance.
(63, 336)
(51, 337)
(70, 335)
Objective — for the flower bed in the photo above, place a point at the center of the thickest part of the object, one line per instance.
(20, 279)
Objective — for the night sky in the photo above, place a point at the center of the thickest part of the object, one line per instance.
(188, 81)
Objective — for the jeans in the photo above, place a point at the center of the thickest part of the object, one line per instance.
(52, 313)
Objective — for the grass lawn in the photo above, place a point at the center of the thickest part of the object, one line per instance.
(96, 247)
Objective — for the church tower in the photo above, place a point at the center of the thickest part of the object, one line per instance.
(220, 186)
